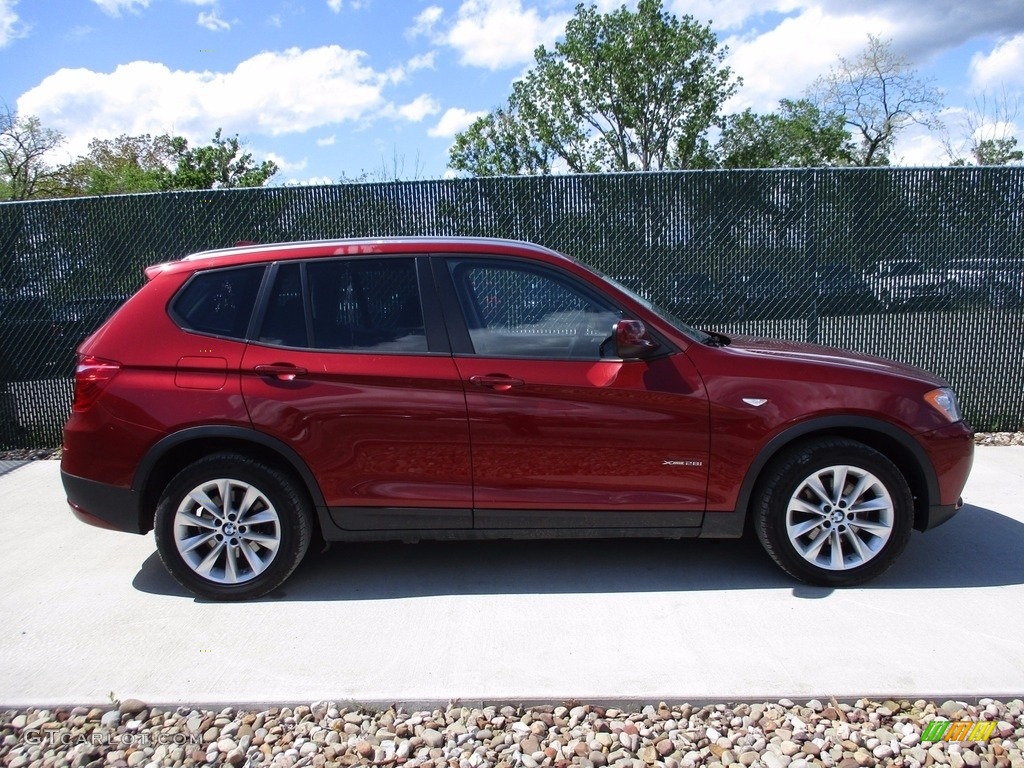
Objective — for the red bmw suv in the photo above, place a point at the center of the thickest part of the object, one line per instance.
(471, 388)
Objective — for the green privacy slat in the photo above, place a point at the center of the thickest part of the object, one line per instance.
(843, 257)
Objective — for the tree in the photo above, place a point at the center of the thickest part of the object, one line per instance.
(218, 165)
(154, 163)
(499, 144)
(623, 91)
(997, 151)
(386, 172)
(799, 135)
(987, 132)
(25, 172)
(119, 166)
(878, 94)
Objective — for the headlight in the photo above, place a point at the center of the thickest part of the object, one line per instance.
(944, 401)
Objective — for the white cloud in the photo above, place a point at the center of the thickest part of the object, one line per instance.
(920, 148)
(452, 121)
(419, 108)
(725, 14)
(334, 5)
(272, 93)
(312, 181)
(326, 141)
(1003, 66)
(212, 22)
(784, 61)
(11, 27)
(495, 34)
(425, 22)
(115, 7)
(285, 166)
(424, 61)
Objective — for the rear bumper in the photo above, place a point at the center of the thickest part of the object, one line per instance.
(940, 513)
(103, 505)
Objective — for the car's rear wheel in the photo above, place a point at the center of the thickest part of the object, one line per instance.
(833, 512)
(229, 527)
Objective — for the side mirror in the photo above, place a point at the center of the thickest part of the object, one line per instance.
(632, 340)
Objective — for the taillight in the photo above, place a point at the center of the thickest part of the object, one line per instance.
(92, 374)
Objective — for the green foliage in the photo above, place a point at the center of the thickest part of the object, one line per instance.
(623, 91)
(218, 165)
(499, 144)
(145, 163)
(24, 144)
(799, 135)
(120, 166)
(1000, 151)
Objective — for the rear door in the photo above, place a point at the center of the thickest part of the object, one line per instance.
(350, 366)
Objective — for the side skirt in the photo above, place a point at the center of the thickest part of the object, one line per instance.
(403, 524)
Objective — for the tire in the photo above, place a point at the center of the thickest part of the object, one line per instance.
(804, 522)
(247, 552)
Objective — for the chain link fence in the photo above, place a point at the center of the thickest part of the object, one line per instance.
(923, 266)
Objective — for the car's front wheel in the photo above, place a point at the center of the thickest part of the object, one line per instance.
(229, 527)
(833, 512)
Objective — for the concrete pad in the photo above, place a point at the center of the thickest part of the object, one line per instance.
(91, 613)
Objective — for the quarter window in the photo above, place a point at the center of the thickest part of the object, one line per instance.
(219, 302)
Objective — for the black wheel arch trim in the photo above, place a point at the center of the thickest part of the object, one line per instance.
(830, 426)
(162, 447)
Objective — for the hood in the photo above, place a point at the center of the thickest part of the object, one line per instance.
(801, 352)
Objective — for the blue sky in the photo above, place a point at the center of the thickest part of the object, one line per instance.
(328, 88)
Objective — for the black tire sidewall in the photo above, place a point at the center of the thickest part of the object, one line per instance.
(784, 476)
(283, 492)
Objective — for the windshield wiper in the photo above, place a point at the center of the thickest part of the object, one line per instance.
(716, 339)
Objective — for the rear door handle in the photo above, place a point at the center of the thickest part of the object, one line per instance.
(280, 371)
(499, 382)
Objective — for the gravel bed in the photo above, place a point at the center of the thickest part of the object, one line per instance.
(999, 438)
(324, 734)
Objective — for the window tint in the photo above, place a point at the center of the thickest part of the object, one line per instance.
(366, 305)
(519, 311)
(285, 320)
(219, 301)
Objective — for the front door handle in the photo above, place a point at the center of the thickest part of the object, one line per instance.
(280, 371)
(499, 382)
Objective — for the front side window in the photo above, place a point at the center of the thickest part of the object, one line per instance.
(219, 302)
(516, 310)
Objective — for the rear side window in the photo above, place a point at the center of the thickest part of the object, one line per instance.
(284, 323)
(219, 302)
(366, 305)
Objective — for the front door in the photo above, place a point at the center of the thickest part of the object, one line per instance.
(558, 423)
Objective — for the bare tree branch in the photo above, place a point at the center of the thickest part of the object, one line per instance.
(879, 94)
